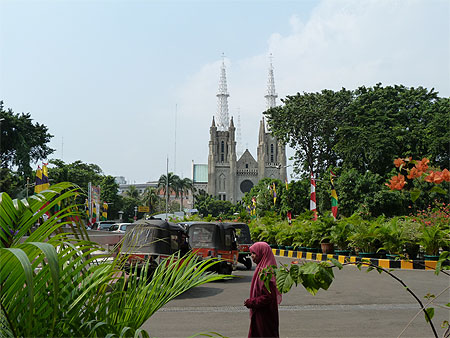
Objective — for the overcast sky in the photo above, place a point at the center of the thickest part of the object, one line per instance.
(126, 84)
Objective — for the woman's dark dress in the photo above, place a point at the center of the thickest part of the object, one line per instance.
(264, 313)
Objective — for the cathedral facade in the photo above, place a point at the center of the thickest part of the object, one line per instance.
(229, 178)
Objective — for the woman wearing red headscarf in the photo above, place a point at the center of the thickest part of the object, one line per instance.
(263, 304)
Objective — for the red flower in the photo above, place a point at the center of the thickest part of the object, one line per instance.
(423, 165)
(446, 175)
(397, 182)
(414, 173)
(398, 162)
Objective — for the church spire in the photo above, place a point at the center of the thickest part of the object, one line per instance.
(222, 100)
(271, 95)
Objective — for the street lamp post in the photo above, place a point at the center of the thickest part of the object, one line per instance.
(135, 213)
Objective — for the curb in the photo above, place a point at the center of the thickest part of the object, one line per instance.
(382, 263)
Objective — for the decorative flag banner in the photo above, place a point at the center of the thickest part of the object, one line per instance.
(105, 211)
(312, 201)
(41, 179)
(334, 197)
(274, 191)
(38, 182)
(86, 207)
(253, 213)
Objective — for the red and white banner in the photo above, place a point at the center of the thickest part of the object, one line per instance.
(312, 201)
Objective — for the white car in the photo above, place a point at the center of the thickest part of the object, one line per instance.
(119, 227)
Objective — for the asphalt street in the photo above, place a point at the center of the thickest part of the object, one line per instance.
(358, 304)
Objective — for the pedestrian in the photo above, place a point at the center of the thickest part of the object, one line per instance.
(263, 304)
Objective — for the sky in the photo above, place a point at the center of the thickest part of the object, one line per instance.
(128, 85)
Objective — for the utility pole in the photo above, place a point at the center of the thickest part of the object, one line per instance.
(167, 188)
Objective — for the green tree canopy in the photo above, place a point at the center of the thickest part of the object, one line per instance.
(365, 129)
(22, 141)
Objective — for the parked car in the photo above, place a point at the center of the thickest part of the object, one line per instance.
(119, 227)
(215, 240)
(102, 225)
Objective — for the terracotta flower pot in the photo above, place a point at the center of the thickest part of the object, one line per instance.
(327, 248)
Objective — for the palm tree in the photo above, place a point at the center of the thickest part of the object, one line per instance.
(49, 286)
(132, 192)
(150, 198)
(185, 185)
(169, 181)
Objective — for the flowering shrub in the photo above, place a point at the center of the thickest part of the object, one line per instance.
(437, 216)
(417, 170)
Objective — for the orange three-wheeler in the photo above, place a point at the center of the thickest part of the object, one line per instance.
(215, 240)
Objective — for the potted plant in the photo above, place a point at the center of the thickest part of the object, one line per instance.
(284, 236)
(365, 238)
(411, 232)
(340, 233)
(390, 234)
(431, 239)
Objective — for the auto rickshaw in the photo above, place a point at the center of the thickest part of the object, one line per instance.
(153, 239)
(244, 242)
(215, 240)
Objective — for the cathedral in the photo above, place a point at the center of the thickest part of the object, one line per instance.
(229, 178)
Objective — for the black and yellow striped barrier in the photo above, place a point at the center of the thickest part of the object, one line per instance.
(383, 263)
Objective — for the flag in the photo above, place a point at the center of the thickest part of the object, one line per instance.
(274, 193)
(334, 197)
(253, 213)
(38, 185)
(312, 201)
(86, 207)
(41, 179)
(45, 181)
(105, 211)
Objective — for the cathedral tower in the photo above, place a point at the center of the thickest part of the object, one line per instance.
(230, 178)
(271, 153)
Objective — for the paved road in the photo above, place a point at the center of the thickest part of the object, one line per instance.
(358, 304)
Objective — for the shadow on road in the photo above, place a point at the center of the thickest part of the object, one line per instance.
(200, 292)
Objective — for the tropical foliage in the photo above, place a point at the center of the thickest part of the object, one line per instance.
(23, 142)
(53, 285)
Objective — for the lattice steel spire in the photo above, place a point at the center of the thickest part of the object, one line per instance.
(223, 121)
(271, 95)
(239, 151)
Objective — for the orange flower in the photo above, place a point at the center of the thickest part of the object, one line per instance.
(434, 177)
(414, 173)
(446, 175)
(398, 162)
(423, 165)
(397, 182)
(438, 179)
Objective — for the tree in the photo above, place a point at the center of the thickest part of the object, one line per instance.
(151, 199)
(170, 181)
(109, 193)
(383, 123)
(184, 186)
(208, 205)
(22, 142)
(132, 192)
(308, 123)
(77, 172)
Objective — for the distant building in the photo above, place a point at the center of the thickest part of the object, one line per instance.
(120, 180)
(230, 178)
(139, 186)
(200, 176)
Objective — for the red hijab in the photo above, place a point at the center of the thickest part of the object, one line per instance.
(264, 258)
